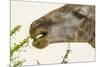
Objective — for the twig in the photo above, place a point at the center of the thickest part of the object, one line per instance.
(38, 62)
(18, 64)
(16, 28)
(18, 46)
(66, 55)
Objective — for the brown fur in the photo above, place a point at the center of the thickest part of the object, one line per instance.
(65, 24)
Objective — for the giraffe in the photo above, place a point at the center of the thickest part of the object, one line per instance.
(69, 23)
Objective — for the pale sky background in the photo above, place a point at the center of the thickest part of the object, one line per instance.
(24, 13)
(92, 2)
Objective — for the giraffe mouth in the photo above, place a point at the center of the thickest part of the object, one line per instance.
(40, 41)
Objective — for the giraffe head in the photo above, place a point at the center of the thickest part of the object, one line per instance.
(69, 23)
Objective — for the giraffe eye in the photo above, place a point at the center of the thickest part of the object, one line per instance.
(78, 15)
(42, 34)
